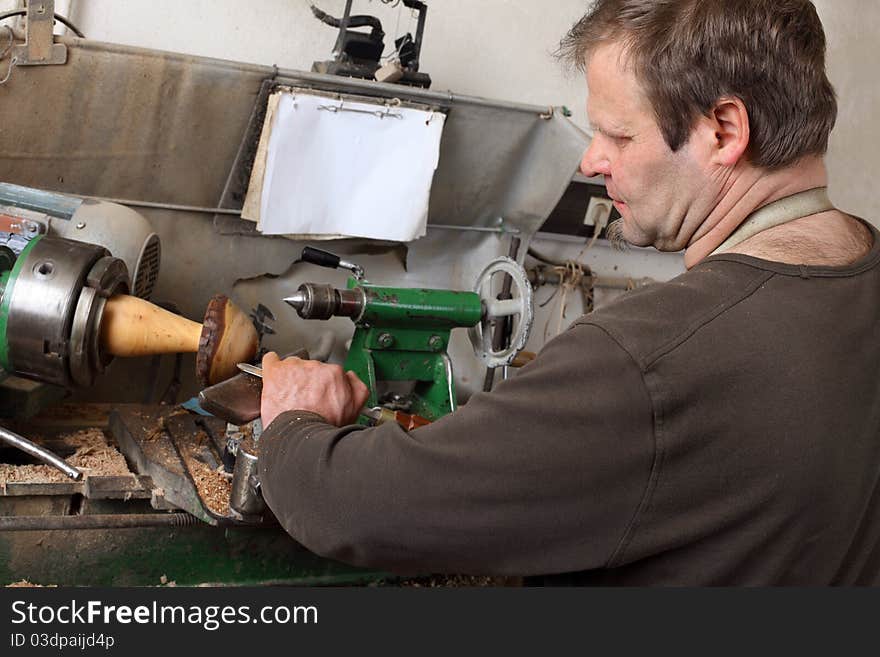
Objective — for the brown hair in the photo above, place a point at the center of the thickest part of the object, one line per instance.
(687, 54)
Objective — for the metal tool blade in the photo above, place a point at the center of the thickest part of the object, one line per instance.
(253, 370)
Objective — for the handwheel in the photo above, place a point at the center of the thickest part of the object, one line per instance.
(518, 308)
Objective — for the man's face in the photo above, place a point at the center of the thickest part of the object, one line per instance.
(655, 190)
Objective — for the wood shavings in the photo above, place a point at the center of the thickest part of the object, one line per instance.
(95, 456)
(92, 454)
(250, 444)
(26, 584)
(438, 581)
(161, 426)
(31, 474)
(214, 487)
(156, 431)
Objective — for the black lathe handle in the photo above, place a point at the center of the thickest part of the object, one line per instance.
(320, 258)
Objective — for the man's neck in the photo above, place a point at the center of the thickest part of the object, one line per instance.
(747, 190)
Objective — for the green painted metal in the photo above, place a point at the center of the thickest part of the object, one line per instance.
(400, 339)
(360, 361)
(8, 280)
(394, 307)
(153, 556)
(403, 334)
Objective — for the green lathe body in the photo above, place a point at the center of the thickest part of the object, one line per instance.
(403, 334)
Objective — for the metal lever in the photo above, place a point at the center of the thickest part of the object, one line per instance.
(331, 261)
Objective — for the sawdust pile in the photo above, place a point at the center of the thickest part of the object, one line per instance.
(21, 584)
(31, 474)
(161, 425)
(93, 455)
(452, 581)
(248, 443)
(214, 486)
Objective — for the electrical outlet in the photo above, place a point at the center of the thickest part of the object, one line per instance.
(598, 212)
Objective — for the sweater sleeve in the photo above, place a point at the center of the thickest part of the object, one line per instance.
(542, 475)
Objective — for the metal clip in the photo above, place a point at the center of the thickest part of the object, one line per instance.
(39, 47)
(378, 113)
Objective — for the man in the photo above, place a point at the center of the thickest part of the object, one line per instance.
(723, 428)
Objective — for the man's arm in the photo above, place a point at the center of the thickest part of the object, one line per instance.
(542, 475)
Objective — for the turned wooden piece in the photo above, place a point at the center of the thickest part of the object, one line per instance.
(228, 338)
(134, 327)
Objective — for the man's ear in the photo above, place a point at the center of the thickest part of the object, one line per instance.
(729, 118)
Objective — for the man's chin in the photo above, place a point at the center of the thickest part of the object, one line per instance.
(615, 234)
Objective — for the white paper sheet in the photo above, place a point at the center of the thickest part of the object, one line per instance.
(349, 172)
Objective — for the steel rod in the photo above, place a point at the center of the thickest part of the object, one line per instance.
(337, 84)
(98, 521)
(550, 277)
(237, 213)
(164, 206)
(477, 229)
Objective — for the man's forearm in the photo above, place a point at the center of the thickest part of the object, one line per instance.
(500, 486)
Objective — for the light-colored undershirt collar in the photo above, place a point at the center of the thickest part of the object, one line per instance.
(781, 211)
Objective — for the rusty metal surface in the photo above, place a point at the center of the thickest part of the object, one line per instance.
(125, 122)
(144, 124)
(175, 448)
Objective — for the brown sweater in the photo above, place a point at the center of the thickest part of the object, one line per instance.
(722, 428)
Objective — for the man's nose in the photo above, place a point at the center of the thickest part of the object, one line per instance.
(595, 162)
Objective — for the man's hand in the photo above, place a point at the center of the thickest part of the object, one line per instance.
(308, 385)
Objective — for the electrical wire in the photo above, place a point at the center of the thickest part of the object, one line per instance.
(393, 54)
(8, 46)
(58, 17)
(12, 60)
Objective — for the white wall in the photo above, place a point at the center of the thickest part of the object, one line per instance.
(851, 27)
(494, 48)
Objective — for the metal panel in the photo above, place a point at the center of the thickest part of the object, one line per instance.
(132, 123)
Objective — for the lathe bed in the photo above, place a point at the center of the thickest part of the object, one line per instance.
(166, 520)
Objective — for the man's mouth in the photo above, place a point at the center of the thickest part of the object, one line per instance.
(614, 200)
